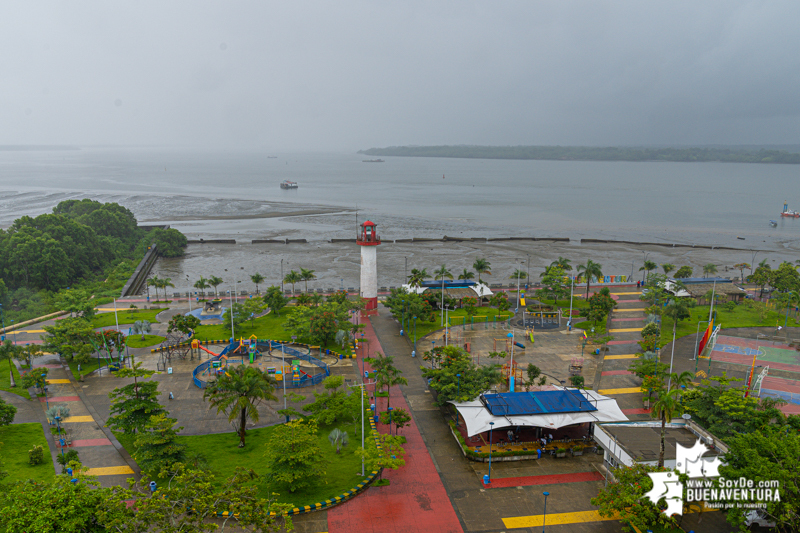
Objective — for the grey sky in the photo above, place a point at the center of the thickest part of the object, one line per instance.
(348, 75)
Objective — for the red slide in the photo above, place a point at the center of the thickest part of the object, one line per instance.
(207, 350)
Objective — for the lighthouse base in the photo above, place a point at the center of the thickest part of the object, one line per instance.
(372, 304)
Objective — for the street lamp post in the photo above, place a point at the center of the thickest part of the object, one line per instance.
(415, 335)
(491, 428)
(544, 517)
(44, 390)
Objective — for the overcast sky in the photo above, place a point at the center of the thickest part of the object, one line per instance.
(347, 75)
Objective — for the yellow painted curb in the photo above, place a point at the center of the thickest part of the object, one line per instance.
(626, 356)
(31, 331)
(625, 293)
(554, 519)
(624, 330)
(629, 310)
(56, 381)
(630, 390)
(78, 419)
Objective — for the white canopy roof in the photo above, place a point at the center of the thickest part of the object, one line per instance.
(477, 417)
(480, 289)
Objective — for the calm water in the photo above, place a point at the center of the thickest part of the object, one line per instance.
(706, 203)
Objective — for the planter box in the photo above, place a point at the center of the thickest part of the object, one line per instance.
(561, 454)
(577, 453)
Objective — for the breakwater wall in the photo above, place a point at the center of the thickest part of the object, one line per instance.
(139, 275)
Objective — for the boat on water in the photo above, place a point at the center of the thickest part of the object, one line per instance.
(272, 157)
(787, 213)
(288, 184)
(373, 161)
(773, 223)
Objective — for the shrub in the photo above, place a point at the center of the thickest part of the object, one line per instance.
(68, 457)
(36, 455)
(729, 306)
(650, 329)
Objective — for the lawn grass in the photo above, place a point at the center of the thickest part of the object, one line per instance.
(126, 316)
(740, 317)
(5, 382)
(87, 367)
(457, 318)
(222, 454)
(267, 327)
(15, 441)
(135, 341)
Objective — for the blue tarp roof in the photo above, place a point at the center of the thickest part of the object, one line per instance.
(536, 403)
(447, 284)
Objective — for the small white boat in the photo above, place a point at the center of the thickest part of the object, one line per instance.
(773, 223)
(288, 184)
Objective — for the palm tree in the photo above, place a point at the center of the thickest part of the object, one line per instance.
(257, 278)
(442, 273)
(741, 267)
(153, 282)
(417, 277)
(677, 309)
(238, 393)
(682, 380)
(563, 263)
(293, 277)
(518, 274)
(710, 268)
(590, 270)
(164, 283)
(213, 281)
(9, 351)
(667, 406)
(201, 284)
(482, 266)
(466, 275)
(306, 275)
(141, 326)
(668, 267)
(647, 267)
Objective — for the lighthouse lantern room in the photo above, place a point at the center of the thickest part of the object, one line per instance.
(368, 239)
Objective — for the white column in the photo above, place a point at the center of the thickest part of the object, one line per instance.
(369, 272)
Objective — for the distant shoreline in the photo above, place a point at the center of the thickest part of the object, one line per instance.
(586, 153)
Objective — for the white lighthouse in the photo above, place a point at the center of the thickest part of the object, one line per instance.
(368, 239)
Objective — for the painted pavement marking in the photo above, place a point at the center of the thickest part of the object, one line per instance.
(60, 399)
(616, 343)
(109, 471)
(78, 419)
(628, 390)
(639, 319)
(617, 373)
(629, 309)
(624, 330)
(31, 331)
(553, 479)
(553, 519)
(636, 411)
(622, 356)
(91, 442)
(48, 366)
(56, 381)
(627, 293)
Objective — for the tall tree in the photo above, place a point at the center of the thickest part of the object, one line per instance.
(293, 277)
(257, 278)
(164, 283)
(153, 282)
(132, 405)
(417, 277)
(590, 270)
(275, 299)
(563, 263)
(466, 274)
(684, 272)
(215, 281)
(482, 266)
(141, 327)
(666, 407)
(708, 269)
(388, 453)
(647, 267)
(668, 267)
(294, 454)
(741, 267)
(157, 447)
(238, 393)
(518, 274)
(201, 284)
(307, 275)
(9, 351)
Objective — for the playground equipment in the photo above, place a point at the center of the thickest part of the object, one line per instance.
(174, 345)
(507, 344)
(576, 367)
(255, 348)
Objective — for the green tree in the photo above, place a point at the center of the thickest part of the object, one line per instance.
(398, 417)
(710, 268)
(169, 242)
(500, 300)
(9, 351)
(257, 278)
(215, 281)
(251, 308)
(155, 283)
(601, 304)
(133, 404)
(386, 374)
(624, 499)
(275, 299)
(417, 277)
(293, 277)
(201, 284)
(474, 379)
(666, 407)
(762, 276)
(785, 278)
(470, 305)
(766, 455)
(238, 393)
(35, 378)
(7, 413)
(388, 452)
(554, 283)
(332, 404)
(563, 263)
(588, 271)
(740, 267)
(157, 447)
(164, 283)
(684, 272)
(240, 315)
(647, 267)
(577, 381)
(185, 324)
(69, 331)
(141, 327)
(294, 455)
(77, 302)
(338, 438)
(307, 275)
(518, 275)
(466, 275)
(668, 267)
(482, 266)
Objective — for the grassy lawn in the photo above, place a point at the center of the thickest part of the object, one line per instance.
(740, 317)
(266, 327)
(457, 318)
(578, 302)
(5, 382)
(342, 471)
(86, 367)
(599, 329)
(126, 316)
(15, 441)
(135, 341)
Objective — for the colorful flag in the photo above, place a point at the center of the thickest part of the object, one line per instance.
(706, 335)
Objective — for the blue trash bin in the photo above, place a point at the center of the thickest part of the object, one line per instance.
(539, 454)
(486, 479)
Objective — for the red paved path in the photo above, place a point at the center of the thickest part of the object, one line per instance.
(414, 501)
(544, 480)
(639, 411)
(614, 343)
(627, 319)
(60, 399)
(781, 384)
(47, 366)
(91, 442)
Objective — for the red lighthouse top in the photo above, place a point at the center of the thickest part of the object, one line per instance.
(369, 234)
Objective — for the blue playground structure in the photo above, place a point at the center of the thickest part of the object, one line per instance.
(238, 352)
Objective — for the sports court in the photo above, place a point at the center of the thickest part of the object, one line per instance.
(769, 356)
